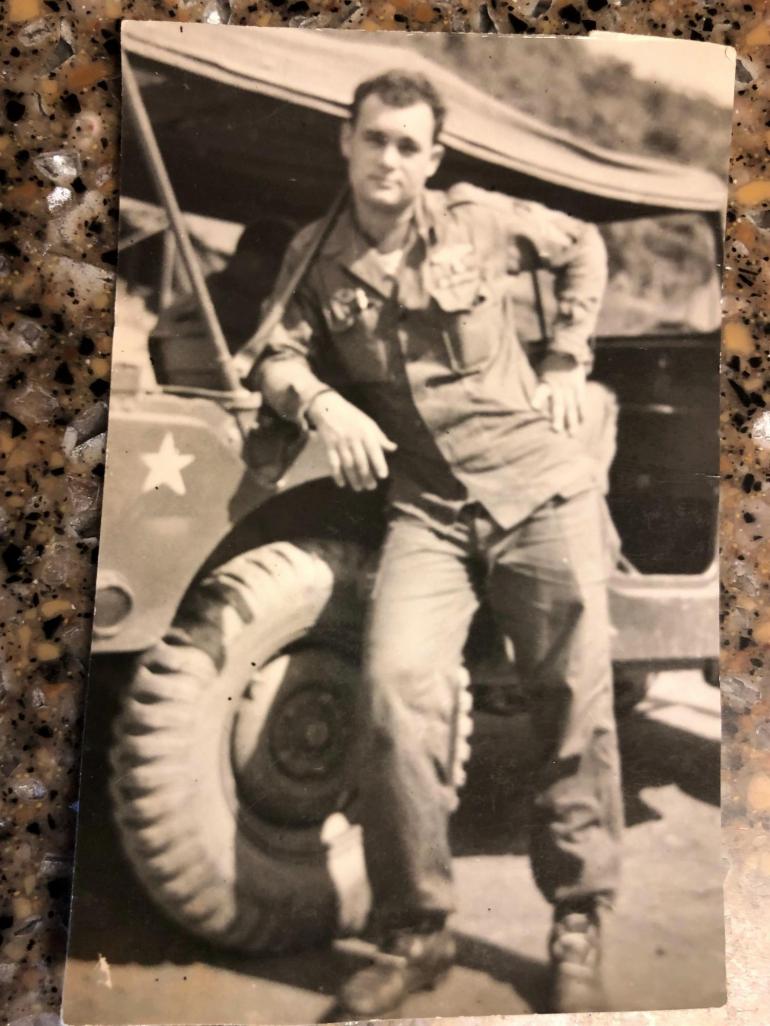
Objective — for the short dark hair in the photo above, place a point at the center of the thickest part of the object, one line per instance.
(401, 89)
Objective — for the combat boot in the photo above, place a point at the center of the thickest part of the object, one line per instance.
(575, 950)
(406, 962)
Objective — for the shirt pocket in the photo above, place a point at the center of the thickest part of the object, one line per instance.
(361, 354)
(471, 326)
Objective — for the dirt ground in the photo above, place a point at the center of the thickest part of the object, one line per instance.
(664, 945)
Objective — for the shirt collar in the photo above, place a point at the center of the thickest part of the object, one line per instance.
(348, 246)
(353, 250)
(347, 241)
(426, 214)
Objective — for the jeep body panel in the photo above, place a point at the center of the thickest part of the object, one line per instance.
(175, 484)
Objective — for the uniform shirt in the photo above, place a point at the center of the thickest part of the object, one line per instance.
(429, 349)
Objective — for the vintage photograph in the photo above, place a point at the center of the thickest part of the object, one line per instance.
(404, 690)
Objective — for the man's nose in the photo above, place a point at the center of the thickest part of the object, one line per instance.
(389, 155)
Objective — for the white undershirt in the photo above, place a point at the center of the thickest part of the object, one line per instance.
(391, 261)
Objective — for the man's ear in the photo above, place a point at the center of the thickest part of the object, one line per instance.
(346, 133)
(436, 156)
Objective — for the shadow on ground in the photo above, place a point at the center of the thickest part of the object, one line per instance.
(493, 815)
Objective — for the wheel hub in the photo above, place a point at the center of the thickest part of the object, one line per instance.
(306, 736)
(292, 735)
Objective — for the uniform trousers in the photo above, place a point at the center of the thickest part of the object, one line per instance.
(545, 581)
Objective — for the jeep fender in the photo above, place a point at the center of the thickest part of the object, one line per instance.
(176, 485)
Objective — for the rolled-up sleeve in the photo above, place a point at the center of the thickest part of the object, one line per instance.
(574, 251)
(285, 367)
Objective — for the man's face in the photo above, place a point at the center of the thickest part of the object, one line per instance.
(390, 153)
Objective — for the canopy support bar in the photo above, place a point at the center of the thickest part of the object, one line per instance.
(149, 143)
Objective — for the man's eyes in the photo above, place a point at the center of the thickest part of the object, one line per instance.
(405, 146)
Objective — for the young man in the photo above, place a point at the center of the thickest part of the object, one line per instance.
(399, 349)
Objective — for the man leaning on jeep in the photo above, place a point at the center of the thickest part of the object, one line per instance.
(399, 349)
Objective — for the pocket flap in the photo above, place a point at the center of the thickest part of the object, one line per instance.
(454, 278)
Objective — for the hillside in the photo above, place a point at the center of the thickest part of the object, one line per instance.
(602, 101)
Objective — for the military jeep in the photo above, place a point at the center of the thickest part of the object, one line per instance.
(233, 574)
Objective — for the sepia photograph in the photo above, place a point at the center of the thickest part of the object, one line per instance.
(404, 689)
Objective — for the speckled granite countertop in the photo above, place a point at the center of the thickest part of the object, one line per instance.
(58, 221)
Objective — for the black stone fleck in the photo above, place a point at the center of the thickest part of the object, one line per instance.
(58, 887)
(71, 104)
(12, 558)
(14, 110)
(571, 14)
(50, 627)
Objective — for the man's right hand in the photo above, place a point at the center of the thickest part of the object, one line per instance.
(355, 446)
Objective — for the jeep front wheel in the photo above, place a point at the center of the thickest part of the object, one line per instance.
(232, 759)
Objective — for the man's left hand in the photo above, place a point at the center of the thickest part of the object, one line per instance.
(561, 392)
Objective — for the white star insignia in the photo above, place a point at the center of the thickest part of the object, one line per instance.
(166, 466)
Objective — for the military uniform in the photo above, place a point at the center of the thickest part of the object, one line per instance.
(486, 499)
